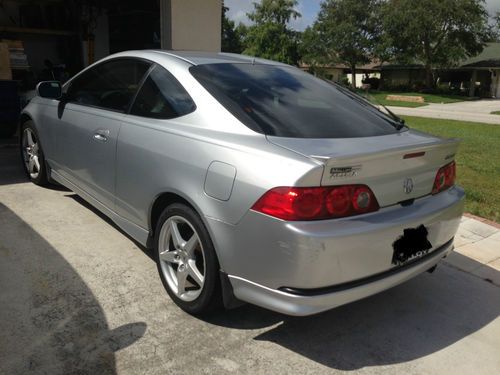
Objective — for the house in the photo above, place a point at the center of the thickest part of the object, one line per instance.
(476, 76)
(339, 72)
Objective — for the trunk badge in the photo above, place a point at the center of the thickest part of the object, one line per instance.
(408, 185)
(336, 172)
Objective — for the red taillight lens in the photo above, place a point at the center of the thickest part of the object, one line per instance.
(316, 203)
(445, 178)
(338, 201)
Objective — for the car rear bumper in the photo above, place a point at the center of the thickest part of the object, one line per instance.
(304, 303)
(270, 262)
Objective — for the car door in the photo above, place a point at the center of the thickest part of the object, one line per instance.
(148, 147)
(89, 121)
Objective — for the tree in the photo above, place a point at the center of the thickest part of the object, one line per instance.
(437, 33)
(269, 36)
(344, 32)
(231, 38)
(496, 27)
(312, 52)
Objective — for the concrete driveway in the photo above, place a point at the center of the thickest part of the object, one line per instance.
(77, 296)
(476, 111)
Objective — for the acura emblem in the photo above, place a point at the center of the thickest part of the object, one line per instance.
(408, 185)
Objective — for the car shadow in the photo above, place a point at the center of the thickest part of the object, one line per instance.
(49, 319)
(418, 318)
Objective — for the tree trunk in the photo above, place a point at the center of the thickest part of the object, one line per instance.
(473, 79)
(353, 72)
(429, 77)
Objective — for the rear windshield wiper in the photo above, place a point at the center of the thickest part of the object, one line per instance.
(400, 123)
(399, 120)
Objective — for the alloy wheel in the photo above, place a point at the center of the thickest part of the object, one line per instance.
(182, 258)
(31, 153)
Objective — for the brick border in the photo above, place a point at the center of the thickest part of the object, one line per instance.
(483, 220)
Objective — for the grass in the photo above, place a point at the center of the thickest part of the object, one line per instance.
(478, 161)
(495, 113)
(379, 97)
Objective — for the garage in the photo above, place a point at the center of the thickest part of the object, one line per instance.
(54, 39)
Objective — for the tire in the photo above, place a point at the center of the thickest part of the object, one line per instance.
(32, 154)
(184, 257)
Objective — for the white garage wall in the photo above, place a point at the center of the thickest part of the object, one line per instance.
(191, 25)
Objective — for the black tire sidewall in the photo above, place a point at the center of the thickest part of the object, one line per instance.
(210, 296)
(42, 175)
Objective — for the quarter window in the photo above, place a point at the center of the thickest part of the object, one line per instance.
(162, 97)
(111, 85)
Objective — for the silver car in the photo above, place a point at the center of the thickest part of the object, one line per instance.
(250, 180)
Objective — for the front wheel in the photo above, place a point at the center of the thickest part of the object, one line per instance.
(32, 154)
(186, 260)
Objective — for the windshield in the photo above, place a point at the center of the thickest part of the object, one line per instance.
(286, 102)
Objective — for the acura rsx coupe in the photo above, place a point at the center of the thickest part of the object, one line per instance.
(250, 179)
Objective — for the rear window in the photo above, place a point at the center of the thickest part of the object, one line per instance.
(286, 102)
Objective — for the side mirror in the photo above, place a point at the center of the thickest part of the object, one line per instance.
(49, 89)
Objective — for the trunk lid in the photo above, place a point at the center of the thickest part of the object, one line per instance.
(397, 167)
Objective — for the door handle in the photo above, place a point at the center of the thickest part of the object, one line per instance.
(101, 135)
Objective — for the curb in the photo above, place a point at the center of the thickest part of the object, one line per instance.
(482, 220)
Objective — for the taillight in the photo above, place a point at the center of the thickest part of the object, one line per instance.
(445, 178)
(316, 203)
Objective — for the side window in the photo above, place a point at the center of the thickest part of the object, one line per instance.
(162, 97)
(110, 85)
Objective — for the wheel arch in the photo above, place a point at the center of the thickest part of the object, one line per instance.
(162, 201)
(24, 118)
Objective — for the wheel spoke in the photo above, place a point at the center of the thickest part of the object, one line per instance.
(29, 137)
(169, 256)
(181, 281)
(176, 235)
(37, 163)
(195, 273)
(31, 165)
(191, 244)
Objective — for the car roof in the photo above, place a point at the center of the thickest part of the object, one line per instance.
(201, 57)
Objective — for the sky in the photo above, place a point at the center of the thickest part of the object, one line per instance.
(308, 8)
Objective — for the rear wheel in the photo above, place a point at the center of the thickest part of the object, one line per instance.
(186, 260)
(32, 154)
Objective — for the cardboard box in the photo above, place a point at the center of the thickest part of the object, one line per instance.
(5, 72)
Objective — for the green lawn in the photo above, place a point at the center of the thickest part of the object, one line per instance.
(478, 161)
(379, 97)
(495, 113)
